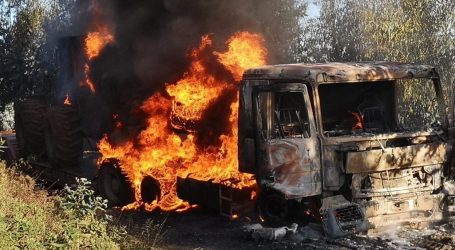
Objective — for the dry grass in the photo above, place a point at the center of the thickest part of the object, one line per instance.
(32, 219)
(27, 214)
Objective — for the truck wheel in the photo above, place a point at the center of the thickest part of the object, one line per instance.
(113, 185)
(273, 208)
(150, 189)
(29, 118)
(63, 136)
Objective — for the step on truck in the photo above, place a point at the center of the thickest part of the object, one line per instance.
(346, 143)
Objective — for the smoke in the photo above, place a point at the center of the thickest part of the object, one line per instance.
(153, 39)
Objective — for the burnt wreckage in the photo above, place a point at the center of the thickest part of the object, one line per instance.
(340, 143)
(338, 137)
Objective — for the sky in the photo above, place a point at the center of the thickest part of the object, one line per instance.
(313, 10)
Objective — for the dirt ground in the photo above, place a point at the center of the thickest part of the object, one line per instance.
(197, 229)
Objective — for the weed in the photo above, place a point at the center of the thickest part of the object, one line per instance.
(32, 219)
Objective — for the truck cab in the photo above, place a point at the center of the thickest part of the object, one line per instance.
(357, 145)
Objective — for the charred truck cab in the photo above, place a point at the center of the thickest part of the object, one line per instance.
(346, 139)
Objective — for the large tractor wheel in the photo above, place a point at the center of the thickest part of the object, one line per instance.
(113, 185)
(29, 118)
(63, 136)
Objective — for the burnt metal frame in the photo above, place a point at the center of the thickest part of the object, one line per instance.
(285, 87)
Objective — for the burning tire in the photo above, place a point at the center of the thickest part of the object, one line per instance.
(29, 117)
(113, 185)
(63, 136)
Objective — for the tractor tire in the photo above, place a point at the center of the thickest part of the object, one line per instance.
(113, 185)
(29, 118)
(63, 136)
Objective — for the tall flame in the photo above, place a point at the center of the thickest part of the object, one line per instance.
(94, 43)
(97, 40)
(198, 88)
(162, 154)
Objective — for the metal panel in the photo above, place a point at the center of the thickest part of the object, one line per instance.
(396, 158)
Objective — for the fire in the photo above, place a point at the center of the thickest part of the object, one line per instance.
(358, 120)
(240, 45)
(161, 153)
(197, 89)
(88, 82)
(67, 100)
(94, 43)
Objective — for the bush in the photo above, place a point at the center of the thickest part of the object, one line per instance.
(87, 224)
(30, 218)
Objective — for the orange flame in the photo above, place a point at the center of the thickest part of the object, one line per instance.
(94, 43)
(161, 153)
(67, 100)
(243, 53)
(358, 121)
(197, 89)
(88, 82)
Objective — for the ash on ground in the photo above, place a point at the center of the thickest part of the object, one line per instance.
(311, 236)
(197, 229)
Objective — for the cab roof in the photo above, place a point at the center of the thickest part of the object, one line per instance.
(320, 73)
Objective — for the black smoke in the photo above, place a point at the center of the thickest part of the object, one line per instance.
(152, 41)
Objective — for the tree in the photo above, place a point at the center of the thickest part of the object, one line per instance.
(27, 57)
(419, 31)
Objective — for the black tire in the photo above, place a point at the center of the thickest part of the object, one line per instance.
(63, 136)
(275, 209)
(113, 185)
(30, 117)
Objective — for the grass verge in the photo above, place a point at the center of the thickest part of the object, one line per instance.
(32, 219)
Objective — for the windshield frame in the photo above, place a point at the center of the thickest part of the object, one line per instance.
(395, 134)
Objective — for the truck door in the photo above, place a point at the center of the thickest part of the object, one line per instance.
(287, 147)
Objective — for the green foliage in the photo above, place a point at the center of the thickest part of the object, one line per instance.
(280, 25)
(31, 219)
(82, 200)
(416, 31)
(86, 222)
(22, 52)
(28, 32)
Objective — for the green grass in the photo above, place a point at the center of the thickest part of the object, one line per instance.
(32, 219)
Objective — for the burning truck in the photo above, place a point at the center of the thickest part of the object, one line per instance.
(334, 142)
